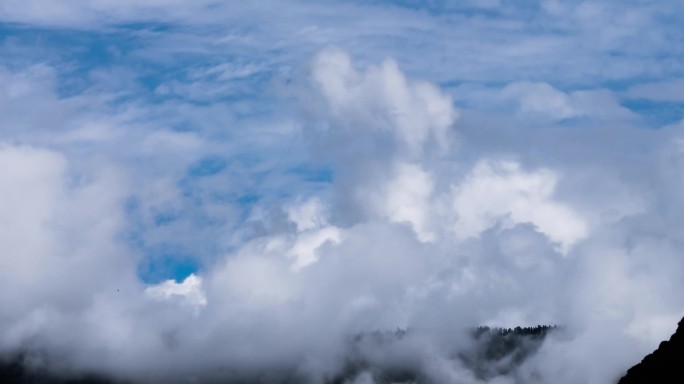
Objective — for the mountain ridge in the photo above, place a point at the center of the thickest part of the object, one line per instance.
(664, 366)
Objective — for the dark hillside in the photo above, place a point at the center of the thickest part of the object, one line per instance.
(664, 366)
(15, 371)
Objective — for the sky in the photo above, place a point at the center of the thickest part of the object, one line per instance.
(193, 190)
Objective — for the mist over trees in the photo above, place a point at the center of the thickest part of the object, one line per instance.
(380, 356)
(488, 353)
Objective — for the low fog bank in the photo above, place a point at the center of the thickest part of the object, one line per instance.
(479, 355)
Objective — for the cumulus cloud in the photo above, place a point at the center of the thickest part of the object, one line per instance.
(406, 199)
(500, 192)
(189, 292)
(381, 99)
(54, 227)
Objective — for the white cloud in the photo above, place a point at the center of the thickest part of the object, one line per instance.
(501, 192)
(406, 198)
(381, 99)
(188, 292)
(96, 172)
(541, 99)
(32, 191)
(59, 242)
(309, 214)
(256, 279)
(304, 249)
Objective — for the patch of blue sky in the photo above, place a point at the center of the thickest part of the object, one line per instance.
(238, 92)
(656, 114)
(166, 264)
(312, 173)
(160, 27)
(131, 205)
(248, 200)
(442, 7)
(165, 218)
(207, 166)
(200, 85)
(227, 186)
(194, 239)
(78, 55)
(244, 183)
(163, 257)
(72, 52)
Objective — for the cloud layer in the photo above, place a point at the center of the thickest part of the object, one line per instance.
(182, 200)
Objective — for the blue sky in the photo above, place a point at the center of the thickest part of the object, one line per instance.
(280, 150)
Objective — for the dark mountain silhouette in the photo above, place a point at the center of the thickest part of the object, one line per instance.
(14, 370)
(664, 366)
